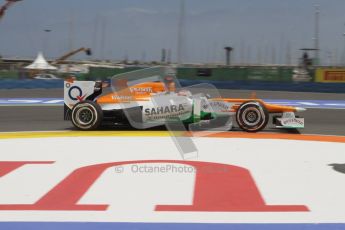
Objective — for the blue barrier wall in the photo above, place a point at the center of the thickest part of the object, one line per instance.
(243, 85)
(31, 84)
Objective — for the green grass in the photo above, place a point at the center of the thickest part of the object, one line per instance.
(8, 75)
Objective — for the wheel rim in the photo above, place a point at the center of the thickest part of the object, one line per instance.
(84, 116)
(251, 117)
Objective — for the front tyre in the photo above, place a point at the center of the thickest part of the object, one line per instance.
(252, 117)
(87, 115)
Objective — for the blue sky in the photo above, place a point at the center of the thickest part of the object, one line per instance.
(259, 30)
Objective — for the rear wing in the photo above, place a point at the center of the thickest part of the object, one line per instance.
(78, 91)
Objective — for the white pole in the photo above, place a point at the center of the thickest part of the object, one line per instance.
(180, 39)
(317, 35)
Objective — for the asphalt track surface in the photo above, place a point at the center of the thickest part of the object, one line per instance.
(50, 118)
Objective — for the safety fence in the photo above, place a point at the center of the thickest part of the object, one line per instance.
(235, 85)
(242, 73)
(331, 80)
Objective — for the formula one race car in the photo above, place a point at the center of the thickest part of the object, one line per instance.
(150, 102)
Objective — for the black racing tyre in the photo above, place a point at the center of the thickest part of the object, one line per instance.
(252, 116)
(87, 115)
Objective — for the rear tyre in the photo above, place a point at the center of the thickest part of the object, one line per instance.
(252, 117)
(87, 115)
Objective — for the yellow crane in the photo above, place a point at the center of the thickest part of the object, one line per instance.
(70, 54)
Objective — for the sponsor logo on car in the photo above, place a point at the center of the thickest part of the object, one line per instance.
(293, 121)
(215, 106)
(117, 97)
(141, 90)
(164, 110)
(75, 93)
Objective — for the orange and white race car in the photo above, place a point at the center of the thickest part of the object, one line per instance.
(152, 102)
